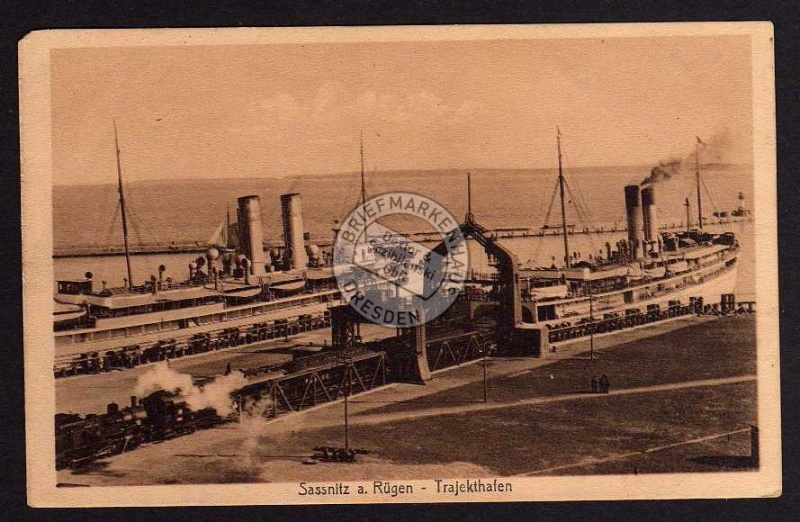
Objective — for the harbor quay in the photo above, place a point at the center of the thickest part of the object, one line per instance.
(91, 393)
(681, 398)
(230, 323)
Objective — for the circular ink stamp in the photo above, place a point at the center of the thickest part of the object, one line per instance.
(388, 277)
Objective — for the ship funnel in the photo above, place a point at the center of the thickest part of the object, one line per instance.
(635, 220)
(292, 209)
(251, 236)
(246, 267)
(650, 216)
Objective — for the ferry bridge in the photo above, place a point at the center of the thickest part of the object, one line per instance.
(412, 355)
(517, 324)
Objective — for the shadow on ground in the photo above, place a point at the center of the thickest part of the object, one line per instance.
(727, 461)
(98, 467)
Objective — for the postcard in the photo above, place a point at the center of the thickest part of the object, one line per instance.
(400, 264)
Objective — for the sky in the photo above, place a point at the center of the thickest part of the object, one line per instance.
(278, 110)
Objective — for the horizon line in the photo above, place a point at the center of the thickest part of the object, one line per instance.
(294, 177)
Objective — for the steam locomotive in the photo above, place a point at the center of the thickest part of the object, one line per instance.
(163, 415)
(159, 416)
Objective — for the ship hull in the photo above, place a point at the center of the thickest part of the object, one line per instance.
(710, 290)
(211, 319)
(708, 284)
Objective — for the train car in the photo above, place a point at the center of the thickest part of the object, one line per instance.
(159, 416)
(83, 439)
(170, 417)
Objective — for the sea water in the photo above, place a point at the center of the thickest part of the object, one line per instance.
(192, 211)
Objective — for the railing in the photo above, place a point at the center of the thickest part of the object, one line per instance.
(268, 297)
(134, 355)
(559, 333)
(458, 349)
(600, 326)
(579, 292)
(322, 382)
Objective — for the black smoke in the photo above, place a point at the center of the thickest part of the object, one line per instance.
(719, 149)
(663, 171)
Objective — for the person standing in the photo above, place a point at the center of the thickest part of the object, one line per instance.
(605, 384)
(594, 384)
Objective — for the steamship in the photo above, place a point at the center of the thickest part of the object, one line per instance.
(650, 272)
(231, 296)
(244, 294)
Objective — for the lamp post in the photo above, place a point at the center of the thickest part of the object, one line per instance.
(591, 325)
(485, 398)
(347, 388)
(346, 423)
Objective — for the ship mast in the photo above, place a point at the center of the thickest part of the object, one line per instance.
(697, 176)
(363, 191)
(469, 216)
(122, 208)
(363, 184)
(225, 238)
(688, 215)
(563, 206)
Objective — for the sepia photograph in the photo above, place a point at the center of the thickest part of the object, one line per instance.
(400, 264)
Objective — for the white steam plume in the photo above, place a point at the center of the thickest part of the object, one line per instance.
(216, 394)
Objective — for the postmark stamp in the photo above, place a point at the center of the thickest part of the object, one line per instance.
(390, 278)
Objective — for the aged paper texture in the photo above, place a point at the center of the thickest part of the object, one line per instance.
(400, 264)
